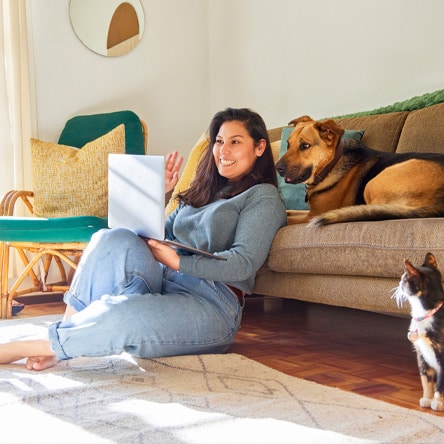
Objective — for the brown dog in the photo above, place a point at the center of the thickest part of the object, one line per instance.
(347, 181)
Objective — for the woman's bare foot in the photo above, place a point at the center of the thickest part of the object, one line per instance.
(36, 349)
(41, 362)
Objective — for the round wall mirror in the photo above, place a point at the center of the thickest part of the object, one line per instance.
(108, 27)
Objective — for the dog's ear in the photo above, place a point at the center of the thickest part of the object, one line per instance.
(329, 130)
(300, 119)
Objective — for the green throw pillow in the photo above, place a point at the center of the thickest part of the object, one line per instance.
(80, 130)
(293, 195)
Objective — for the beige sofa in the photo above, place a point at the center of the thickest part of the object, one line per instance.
(358, 264)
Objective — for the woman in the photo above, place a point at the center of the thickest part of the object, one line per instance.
(146, 298)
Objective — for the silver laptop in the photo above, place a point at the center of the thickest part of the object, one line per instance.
(136, 197)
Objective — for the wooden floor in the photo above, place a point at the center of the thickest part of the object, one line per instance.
(357, 351)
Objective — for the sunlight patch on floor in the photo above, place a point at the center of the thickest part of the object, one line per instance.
(195, 426)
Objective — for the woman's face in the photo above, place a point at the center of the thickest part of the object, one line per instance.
(234, 151)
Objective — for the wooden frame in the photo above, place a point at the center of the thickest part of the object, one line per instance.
(58, 253)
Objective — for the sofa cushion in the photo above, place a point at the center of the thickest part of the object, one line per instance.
(275, 149)
(423, 131)
(358, 249)
(274, 134)
(382, 131)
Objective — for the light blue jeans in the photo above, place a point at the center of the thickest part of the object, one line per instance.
(128, 302)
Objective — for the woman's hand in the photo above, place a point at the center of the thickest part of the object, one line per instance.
(164, 254)
(173, 162)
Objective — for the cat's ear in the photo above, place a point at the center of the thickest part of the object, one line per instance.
(430, 261)
(410, 269)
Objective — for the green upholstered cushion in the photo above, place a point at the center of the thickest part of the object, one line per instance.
(80, 130)
(293, 195)
(36, 229)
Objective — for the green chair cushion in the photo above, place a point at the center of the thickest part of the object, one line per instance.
(80, 130)
(54, 230)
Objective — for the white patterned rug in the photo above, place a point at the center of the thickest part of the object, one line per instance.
(194, 399)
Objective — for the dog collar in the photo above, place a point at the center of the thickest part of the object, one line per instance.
(429, 313)
(323, 174)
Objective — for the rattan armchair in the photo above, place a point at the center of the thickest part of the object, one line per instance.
(53, 245)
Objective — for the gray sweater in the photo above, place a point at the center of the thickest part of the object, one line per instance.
(240, 229)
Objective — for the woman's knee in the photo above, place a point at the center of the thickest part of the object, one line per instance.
(119, 236)
(107, 241)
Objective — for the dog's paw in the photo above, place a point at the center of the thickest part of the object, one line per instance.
(437, 404)
(425, 403)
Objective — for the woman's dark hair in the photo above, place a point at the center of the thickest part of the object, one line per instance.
(208, 183)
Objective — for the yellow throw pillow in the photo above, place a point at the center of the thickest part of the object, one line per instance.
(70, 181)
(188, 172)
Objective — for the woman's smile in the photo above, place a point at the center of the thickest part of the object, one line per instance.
(226, 162)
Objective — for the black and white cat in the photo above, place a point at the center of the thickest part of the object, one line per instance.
(422, 288)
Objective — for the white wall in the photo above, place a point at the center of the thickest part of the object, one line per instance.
(286, 58)
(283, 58)
(164, 79)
